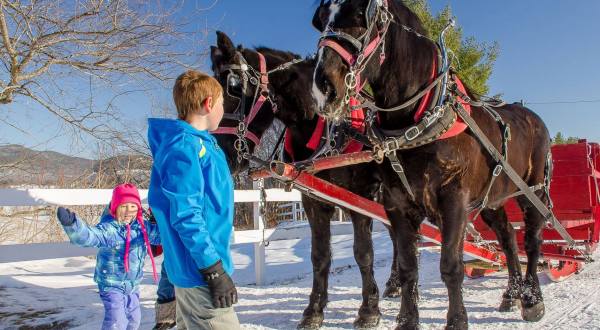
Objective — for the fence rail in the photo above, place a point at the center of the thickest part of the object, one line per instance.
(79, 197)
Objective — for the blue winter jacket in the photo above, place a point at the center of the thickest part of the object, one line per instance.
(109, 236)
(191, 196)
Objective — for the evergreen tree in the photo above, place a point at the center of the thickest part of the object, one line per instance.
(472, 60)
(560, 139)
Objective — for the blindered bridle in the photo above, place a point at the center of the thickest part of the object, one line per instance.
(377, 17)
(261, 95)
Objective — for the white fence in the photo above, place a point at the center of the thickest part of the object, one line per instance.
(293, 211)
(69, 197)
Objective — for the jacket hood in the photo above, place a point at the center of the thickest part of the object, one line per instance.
(161, 131)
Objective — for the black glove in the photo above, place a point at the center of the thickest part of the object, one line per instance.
(221, 286)
(149, 216)
(65, 216)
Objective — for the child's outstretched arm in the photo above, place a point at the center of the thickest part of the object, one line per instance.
(80, 233)
(183, 184)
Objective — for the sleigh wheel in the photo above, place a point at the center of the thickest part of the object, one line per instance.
(561, 270)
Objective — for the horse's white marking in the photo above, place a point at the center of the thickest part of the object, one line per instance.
(316, 92)
(334, 9)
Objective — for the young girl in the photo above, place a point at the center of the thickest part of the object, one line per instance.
(123, 238)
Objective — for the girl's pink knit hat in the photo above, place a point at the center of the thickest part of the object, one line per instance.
(128, 193)
(125, 193)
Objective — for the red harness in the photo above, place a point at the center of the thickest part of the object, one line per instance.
(459, 126)
(357, 116)
(262, 98)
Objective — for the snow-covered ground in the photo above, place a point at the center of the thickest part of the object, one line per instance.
(60, 293)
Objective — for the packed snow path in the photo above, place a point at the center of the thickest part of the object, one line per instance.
(60, 293)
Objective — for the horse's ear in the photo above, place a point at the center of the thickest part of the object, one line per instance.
(320, 16)
(215, 55)
(225, 45)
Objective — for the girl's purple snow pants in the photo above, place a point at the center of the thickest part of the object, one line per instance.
(121, 311)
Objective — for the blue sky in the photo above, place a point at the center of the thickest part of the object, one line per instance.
(548, 53)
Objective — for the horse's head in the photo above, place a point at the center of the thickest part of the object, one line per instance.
(376, 41)
(259, 85)
(350, 49)
(249, 109)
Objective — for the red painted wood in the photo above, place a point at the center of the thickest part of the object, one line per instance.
(572, 190)
(474, 272)
(562, 270)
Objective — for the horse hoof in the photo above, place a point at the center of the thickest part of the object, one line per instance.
(533, 313)
(457, 326)
(367, 321)
(509, 305)
(458, 322)
(391, 292)
(405, 324)
(311, 322)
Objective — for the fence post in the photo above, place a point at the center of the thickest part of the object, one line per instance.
(340, 213)
(294, 211)
(259, 248)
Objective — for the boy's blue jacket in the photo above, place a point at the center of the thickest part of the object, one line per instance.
(109, 236)
(191, 196)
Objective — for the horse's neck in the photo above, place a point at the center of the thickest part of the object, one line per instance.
(405, 72)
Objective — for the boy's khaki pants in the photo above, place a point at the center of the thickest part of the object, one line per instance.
(195, 311)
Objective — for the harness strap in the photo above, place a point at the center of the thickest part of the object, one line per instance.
(255, 109)
(512, 174)
(343, 36)
(371, 105)
(495, 173)
(264, 77)
(397, 167)
(427, 130)
(233, 130)
(344, 54)
(264, 90)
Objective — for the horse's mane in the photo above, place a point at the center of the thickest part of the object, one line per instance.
(406, 16)
(279, 54)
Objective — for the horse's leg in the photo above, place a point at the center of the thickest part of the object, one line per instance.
(405, 231)
(368, 314)
(392, 286)
(454, 219)
(319, 216)
(498, 221)
(532, 302)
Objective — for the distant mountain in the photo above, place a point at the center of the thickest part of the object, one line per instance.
(26, 167)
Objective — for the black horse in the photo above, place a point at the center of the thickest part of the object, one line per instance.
(289, 94)
(443, 178)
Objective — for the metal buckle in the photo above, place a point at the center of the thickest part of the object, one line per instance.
(497, 170)
(507, 132)
(390, 145)
(350, 80)
(397, 167)
(412, 133)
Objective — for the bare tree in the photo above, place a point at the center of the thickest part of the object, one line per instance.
(55, 53)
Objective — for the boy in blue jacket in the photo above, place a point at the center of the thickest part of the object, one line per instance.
(191, 195)
(123, 238)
